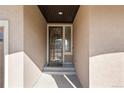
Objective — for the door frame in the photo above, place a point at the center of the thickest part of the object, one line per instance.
(4, 24)
(63, 26)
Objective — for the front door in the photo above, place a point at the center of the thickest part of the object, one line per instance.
(55, 46)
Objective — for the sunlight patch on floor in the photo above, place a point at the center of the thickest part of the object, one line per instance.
(46, 81)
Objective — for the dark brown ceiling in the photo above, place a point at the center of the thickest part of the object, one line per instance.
(50, 12)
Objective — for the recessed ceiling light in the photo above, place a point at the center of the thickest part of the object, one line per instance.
(60, 13)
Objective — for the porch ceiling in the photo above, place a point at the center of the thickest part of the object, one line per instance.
(59, 13)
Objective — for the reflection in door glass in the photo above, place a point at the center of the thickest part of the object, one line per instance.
(68, 39)
(55, 45)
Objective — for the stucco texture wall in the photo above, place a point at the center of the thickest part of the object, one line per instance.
(81, 45)
(14, 16)
(98, 36)
(35, 28)
(106, 46)
(27, 31)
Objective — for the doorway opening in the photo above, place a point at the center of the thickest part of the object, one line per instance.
(59, 44)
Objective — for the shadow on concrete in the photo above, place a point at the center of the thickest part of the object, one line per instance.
(70, 81)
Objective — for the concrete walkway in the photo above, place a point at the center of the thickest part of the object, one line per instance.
(58, 77)
(57, 81)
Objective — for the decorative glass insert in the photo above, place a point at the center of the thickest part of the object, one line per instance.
(67, 39)
(55, 45)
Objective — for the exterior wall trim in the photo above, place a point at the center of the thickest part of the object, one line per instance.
(4, 24)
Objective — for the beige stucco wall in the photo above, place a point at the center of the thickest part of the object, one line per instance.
(106, 29)
(81, 45)
(16, 70)
(106, 46)
(14, 15)
(35, 28)
(27, 31)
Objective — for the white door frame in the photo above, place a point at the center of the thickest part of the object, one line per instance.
(4, 24)
(61, 25)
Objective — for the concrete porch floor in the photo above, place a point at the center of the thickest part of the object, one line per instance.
(57, 81)
(58, 77)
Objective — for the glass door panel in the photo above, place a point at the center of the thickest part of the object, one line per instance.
(55, 46)
(67, 39)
